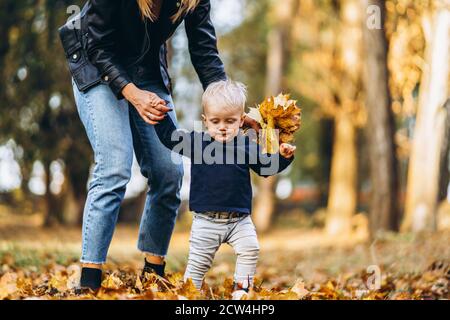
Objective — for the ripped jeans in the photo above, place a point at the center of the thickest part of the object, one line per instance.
(114, 129)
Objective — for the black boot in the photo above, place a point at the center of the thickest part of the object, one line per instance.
(153, 268)
(91, 278)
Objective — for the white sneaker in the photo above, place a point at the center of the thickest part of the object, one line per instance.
(239, 295)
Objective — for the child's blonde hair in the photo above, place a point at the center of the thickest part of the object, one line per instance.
(227, 93)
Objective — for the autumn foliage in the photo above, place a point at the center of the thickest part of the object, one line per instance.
(275, 115)
(59, 282)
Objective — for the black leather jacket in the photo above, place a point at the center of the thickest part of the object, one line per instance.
(113, 39)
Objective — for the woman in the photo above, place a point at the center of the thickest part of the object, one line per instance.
(122, 88)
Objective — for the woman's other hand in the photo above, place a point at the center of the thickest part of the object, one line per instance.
(251, 123)
(150, 107)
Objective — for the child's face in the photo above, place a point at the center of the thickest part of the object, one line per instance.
(223, 123)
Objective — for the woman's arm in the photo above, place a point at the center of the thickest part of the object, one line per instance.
(102, 17)
(203, 45)
(203, 50)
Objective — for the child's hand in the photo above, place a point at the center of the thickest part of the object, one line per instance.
(287, 150)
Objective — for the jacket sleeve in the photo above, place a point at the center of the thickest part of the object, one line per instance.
(101, 27)
(203, 45)
(266, 165)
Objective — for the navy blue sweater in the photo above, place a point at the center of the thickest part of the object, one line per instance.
(220, 172)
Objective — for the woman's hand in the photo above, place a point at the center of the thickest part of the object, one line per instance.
(150, 107)
(251, 123)
(296, 119)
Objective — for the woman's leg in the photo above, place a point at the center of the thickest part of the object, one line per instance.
(164, 171)
(107, 125)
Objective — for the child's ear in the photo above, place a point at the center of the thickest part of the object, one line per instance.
(204, 121)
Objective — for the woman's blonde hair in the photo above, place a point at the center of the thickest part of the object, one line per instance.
(146, 7)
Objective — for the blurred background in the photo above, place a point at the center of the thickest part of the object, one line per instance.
(372, 163)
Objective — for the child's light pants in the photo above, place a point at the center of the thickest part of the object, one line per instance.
(208, 233)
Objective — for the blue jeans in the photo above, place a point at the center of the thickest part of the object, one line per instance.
(114, 128)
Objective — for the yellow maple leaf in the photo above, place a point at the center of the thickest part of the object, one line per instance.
(112, 282)
(276, 117)
(299, 289)
(188, 290)
(8, 285)
(58, 282)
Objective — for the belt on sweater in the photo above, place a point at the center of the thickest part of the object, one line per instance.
(222, 214)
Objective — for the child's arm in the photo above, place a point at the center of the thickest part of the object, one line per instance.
(266, 165)
(177, 140)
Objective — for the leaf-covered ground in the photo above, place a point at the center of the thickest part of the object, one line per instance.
(294, 264)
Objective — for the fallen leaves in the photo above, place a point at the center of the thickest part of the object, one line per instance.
(299, 289)
(8, 285)
(123, 282)
(112, 282)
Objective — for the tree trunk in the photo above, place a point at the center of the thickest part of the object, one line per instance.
(343, 180)
(342, 199)
(71, 206)
(132, 208)
(445, 156)
(265, 199)
(8, 15)
(380, 128)
(275, 65)
(326, 154)
(77, 175)
(51, 204)
(424, 167)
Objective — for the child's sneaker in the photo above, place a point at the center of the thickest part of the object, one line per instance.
(239, 295)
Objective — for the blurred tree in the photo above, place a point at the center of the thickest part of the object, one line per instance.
(405, 60)
(249, 65)
(9, 13)
(279, 15)
(380, 127)
(38, 112)
(346, 108)
(328, 71)
(444, 180)
(15, 18)
(326, 139)
(424, 168)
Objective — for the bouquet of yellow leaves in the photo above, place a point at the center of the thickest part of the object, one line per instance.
(276, 117)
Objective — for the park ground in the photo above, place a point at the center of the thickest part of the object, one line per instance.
(295, 263)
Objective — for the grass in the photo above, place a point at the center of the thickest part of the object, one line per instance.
(24, 258)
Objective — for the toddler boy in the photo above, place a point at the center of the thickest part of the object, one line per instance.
(220, 191)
